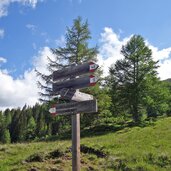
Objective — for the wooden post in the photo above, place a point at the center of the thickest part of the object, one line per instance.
(76, 142)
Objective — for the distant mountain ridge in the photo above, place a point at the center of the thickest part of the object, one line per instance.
(168, 80)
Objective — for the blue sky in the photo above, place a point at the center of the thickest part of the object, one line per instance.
(28, 28)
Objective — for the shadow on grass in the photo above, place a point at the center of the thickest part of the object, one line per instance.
(99, 130)
(88, 132)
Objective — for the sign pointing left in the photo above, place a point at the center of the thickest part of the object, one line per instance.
(89, 106)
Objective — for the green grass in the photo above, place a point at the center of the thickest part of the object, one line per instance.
(137, 148)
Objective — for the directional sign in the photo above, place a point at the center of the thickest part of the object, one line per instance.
(89, 106)
(74, 95)
(75, 70)
(76, 83)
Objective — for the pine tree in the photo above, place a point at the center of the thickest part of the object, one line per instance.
(15, 126)
(30, 131)
(5, 136)
(40, 124)
(8, 117)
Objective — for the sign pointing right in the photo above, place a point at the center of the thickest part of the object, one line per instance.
(75, 70)
(76, 83)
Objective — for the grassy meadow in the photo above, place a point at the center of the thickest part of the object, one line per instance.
(145, 148)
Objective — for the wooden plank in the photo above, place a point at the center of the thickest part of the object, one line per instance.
(76, 83)
(89, 106)
(74, 95)
(75, 70)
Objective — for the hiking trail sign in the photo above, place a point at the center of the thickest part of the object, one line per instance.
(77, 70)
(66, 85)
(76, 83)
(89, 106)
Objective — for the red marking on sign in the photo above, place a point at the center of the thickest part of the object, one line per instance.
(92, 66)
(92, 80)
(52, 110)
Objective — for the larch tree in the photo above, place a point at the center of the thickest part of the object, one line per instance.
(75, 51)
(131, 77)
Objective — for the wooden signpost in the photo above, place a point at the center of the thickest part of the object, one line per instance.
(66, 84)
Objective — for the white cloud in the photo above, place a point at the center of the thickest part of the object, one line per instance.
(4, 4)
(31, 3)
(40, 61)
(110, 46)
(23, 90)
(2, 32)
(165, 69)
(163, 56)
(17, 92)
(3, 60)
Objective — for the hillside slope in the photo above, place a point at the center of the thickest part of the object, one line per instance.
(137, 148)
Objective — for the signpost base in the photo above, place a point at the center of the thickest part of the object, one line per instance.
(76, 142)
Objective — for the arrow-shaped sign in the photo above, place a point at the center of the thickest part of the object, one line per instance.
(76, 83)
(75, 70)
(89, 106)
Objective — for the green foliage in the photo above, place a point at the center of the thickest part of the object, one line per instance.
(5, 137)
(77, 50)
(30, 129)
(168, 86)
(157, 98)
(8, 117)
(132, 81)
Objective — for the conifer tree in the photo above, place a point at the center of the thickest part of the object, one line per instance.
(30, 131)
(75, 51)
(8, 117)
(132, 76)
(15, 126)
(5, 136)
